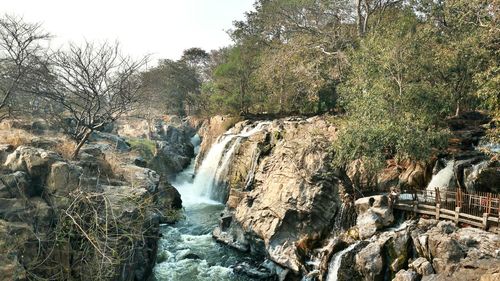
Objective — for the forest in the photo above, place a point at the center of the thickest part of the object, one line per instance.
(390, 71)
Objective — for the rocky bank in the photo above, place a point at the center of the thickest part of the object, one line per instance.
(286, 203)
(95, 218)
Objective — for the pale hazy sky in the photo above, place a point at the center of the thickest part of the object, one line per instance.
(163, 28)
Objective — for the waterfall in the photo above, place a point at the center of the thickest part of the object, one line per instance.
(472, 173)
(334, 266)
(213, 170)
(443, 179)
(346, 216)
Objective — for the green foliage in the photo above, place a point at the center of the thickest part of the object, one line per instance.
(232, 81)
(394, 107)
(173, 87)
(146, 148)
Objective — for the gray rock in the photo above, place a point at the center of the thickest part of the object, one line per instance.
(16, 185)
(115, 142)
(422, 266)
(374, 213)
(406, 275)
(369, 261)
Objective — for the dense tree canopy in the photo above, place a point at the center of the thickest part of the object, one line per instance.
(393, 70)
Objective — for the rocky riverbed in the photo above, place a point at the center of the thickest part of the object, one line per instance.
(261, 200)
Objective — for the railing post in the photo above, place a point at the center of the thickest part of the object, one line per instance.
(457, 214)
(489, 204)
(485, 221)
(438, 211)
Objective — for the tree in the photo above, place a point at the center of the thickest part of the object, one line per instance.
(197, 59)
(394, 107)
(232, 83)
(96, 85)
(174, 86)
(21, 60)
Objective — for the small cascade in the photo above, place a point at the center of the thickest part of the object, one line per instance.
(489, 146)
(443, 179)
(471, 174)
(346, 216)
(334, 266)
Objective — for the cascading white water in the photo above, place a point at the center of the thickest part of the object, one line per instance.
(443, 178)
(472, 173)
(493, 147)
(187, 250)
(214, 167)
(333, 267)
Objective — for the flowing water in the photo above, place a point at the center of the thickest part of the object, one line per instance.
(187, 251)
(443, 179)
(333, 267)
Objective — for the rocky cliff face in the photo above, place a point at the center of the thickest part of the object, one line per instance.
(281, 192)
(285, 202)
(170, 138)
(78, 220)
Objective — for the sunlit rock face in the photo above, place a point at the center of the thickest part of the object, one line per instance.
(47, 204)
(170, 138)
(280, 188)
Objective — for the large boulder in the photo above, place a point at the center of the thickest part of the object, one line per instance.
(374, 213)
(422, 266)
(16, 185)
(110, 141)
(283, 195)
(406, 275)
(464, 253)
(369, 261)
(36, 162)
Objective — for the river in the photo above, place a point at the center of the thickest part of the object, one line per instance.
(187, 251)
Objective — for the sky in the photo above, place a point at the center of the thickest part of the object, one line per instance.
(161, 28)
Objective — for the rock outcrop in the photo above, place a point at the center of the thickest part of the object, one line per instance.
(425, 250)
(374, 213)
(55, 216)
(164, 144)
(282, 196)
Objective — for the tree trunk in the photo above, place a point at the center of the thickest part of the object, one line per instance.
(457, 111)
(81, 143)
(360, 18)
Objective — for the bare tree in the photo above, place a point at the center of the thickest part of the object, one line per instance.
(21, 49)
(366, 8)
(96, 85)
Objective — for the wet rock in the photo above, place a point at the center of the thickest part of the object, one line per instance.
(252, 272)
(188, 255)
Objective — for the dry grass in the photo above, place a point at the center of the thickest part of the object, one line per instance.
(15, 137)
(65, 147)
